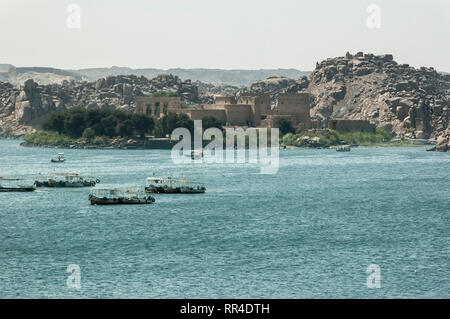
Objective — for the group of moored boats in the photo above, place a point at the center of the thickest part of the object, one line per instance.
(106, 196)
(50, 180)
(158, 185)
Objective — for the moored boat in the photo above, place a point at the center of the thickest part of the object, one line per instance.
(344, 148)
(117, 196)
(14, 185)
(195, 154)
(173, 186)
(65, 180)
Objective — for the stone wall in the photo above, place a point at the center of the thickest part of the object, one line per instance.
(199, 114)
(247, 110)
(222, 100)
(239, 114)
(259, 103)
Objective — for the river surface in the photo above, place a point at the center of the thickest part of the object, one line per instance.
(309, 231)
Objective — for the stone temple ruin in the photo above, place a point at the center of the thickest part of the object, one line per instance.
(253, 110)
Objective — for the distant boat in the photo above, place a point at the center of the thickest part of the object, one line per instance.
(195, 154)
(344, 148)
(173, 186)
(117, 196)
(13, 185)
(59, 158)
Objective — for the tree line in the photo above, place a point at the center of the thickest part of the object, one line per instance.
(80, 122)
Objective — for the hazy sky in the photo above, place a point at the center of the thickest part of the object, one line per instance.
(228, 34)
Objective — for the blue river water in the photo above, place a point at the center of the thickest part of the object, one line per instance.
(309, 231)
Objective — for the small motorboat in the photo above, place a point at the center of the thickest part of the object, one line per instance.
(195, 154)
(344, 148)
(59, 158)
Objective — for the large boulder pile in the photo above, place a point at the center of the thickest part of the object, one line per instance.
(443, 142)
(276, 85)
(30, 104)
(409, 102)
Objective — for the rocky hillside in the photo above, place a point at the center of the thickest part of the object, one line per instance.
(27, 106)
(275, 85)
(405, 101)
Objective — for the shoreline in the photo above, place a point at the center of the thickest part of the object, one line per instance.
(168, 144)
(129, 144)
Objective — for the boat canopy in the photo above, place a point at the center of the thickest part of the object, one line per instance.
(17, 182)
(169, 180)
(10, 179)
(65, 177)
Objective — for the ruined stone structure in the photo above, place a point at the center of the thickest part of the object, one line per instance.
(247, 110)
(157, 106)
(294, 107)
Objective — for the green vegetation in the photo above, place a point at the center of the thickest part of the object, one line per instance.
(79, 122)
(88, 124)
(100, 126)
(46, 137)
(210, 121)
(333, 138)
(284, 125)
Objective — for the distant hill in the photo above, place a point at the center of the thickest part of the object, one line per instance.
(216, 76)
(42, 75)
(47, 75)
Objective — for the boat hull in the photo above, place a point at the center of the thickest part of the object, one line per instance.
(173, 191)
(17, 189)
(119, 201)
(64, 184)
(192, 191)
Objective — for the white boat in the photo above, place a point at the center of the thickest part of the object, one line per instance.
(195, 154)
(170, 185)
(59, 158)
(15, 185)
(119, 196)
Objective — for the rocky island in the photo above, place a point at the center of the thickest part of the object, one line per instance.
(407, 102)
